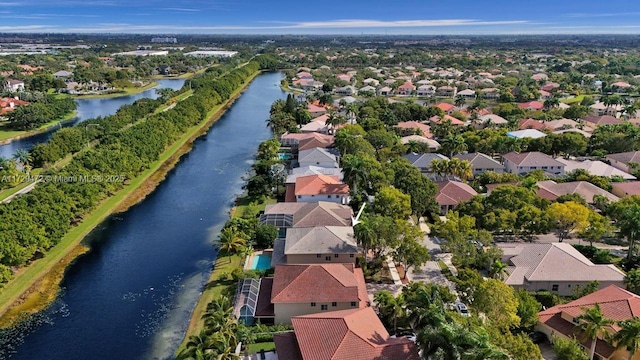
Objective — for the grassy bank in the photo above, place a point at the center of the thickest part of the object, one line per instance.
(123, 92)
(26, 290)
(8, 135)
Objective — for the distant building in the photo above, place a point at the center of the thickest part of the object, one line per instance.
(212, 53)
(167, 40)
(12, 85)
(142, 53)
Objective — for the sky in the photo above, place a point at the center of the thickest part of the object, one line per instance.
(392, 17)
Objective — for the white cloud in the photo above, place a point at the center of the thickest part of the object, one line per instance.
(596, 15)
(181, 9)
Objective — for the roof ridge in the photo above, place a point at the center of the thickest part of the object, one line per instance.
(574, 254)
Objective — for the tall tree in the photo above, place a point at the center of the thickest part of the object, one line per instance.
(230, 242)
(628, 337)
(594, 325)
(389, 307)
(567, 217)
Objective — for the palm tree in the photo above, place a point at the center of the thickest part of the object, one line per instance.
(230, 242)
(389, 307)
(593, 324)
(628, 336)
(499, 270)
(460, 168)
(454, 144)
(24, 158)
(353, 170)
(460, 101)
(629, 224)
(366, 236)
(439, 167)
(551, 103)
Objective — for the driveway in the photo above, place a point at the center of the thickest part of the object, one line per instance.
(547, 351)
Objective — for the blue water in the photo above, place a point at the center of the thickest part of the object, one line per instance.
(132, 296)
(284, 156)
(261, 262)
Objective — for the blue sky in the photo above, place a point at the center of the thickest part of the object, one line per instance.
(322, 17)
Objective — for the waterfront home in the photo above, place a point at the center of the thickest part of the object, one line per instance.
(318, 157)
(624, 161)
(345, 90)
(367, 89)
(12, 85)
(316, 110)
(467, 94)
(550, 190)
(531, 105)
(298, 290)
(316, 245)
(316, 125)
(481, 163)
(490, 93)
(446, 91)
(555, 267)
(595, 167)
(446, 107)
(286, 215)
(385, 91)
(615, 303)
(356, 334)
(451, 193)
(406, 89)
(426, 90)
(9, 104)
(295, 173)
(318, 188)
(293, 140)
(524, 163)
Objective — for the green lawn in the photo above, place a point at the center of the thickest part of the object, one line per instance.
(573, 100)
(26, 277)
(246, 208)
(267, 346)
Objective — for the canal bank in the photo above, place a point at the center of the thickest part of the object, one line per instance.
(173, 250)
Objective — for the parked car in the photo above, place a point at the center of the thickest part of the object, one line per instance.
(462, 309)
(538, 337)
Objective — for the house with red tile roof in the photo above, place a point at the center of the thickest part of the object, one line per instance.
(531, 105)
(356, 334)
(312, 288)
(9, 104)
(344, 77)
(615, 303)
(451, 193)
(531, 124)
(454, 121)
(406, 89)
(318, 188)
(316, 110)
(414, 127)
(555, 267)
(446, 107)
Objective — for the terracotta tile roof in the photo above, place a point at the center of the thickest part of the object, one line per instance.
(558, 324)
(454, 192)
(301, 136)
(535, 105)
(530, 124)
(426, 129)
(445, 106)
(315, 108)
(551, 190)
(315, 142)
(318, 283)
(616, 304)
(554, 262)
(355, 334)
(320, 185)
(437, 119)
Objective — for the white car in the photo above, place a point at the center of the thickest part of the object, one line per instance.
(462, 309)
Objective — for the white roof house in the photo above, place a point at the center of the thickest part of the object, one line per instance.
(527, 133)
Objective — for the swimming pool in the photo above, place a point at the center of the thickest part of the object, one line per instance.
(284, 156)
(261, 262)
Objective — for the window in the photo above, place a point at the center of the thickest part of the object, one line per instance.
(334, 304)
(352, 255)
(318, 255)
(327, 258)
(354, 304)
(324, 307)
(317, 163)
(533, 168)
(313, 304)
(336, 255)
(554, 287)
(569, 285)
(545, 167)
(328, 196)
(299, 196)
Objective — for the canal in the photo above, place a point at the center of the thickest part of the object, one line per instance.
(132, 296)
(89, 109)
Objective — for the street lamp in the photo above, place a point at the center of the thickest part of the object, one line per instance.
(87, 134)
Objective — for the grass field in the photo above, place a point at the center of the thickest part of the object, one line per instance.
(267, 346)
(573, 100)
(40, 271)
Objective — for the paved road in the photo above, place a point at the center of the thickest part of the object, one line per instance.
(23, 191)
